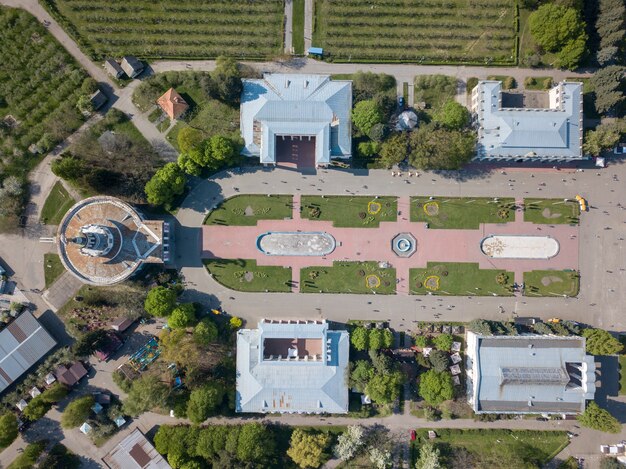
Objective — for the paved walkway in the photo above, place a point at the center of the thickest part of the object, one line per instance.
(308, 24)
(374, 244)
(288, 19)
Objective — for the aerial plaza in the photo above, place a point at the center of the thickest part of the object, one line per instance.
(381, 245)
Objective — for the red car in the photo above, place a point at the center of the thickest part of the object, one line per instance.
(413, 435)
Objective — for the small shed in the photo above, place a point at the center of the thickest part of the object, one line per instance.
(132, 66)
(97, 408)
(34, 392)
(113, 68)
(72, 375)
(85, 428)
(21, 405)
(98, 99)
(317, 51)
(121, 324)
(119, 421)
(50, 378)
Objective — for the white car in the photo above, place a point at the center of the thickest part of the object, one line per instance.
(620, 149)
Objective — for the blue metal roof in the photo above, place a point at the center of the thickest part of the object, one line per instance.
(316, 50)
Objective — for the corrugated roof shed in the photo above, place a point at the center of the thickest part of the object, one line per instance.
(135, 452)
(552, 133)
(299, 380)
(22, 344)
(298, 105)
(529, 374)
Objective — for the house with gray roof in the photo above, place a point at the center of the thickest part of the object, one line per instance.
(132, 66)
(528, 374)
(545, 126)
(296, 119)
(135, 452)
(295, 366)
(113, 68)
(22, 344)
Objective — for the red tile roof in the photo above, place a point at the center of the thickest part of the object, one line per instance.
(173, 104)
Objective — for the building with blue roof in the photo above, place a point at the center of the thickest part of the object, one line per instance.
(528, 374)
(295, 366)
(301, 119)
(549, 130)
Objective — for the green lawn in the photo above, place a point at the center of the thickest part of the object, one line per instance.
(193, 30)
(434, 90)
(461, 212)
(155, 114)
(458, 279)
(350, 211)
(298, 26)
(508, 82)
(496, 449)
(56, 205)
(245, 275)
(348, 277)
(246, 210)
(551, 211)
(53, 268)
(29, 456)
(551, 283)
(537, 83)
(622, 375)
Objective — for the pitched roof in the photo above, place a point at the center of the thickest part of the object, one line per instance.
(135, 452)
(22, 344)
(554, 132)
(72, 375)
(291, 104)
(173, 104)
(308, 377)
(131, 66)
(529, 373)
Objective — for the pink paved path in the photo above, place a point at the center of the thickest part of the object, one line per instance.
(374, 244)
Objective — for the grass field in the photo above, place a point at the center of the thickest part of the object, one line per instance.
(495, 449)
(53, 268)
(458, 279)
(246, 210)
(434, 90)
(173, 28)
(56, 205)
(298, 27)
(245, 275)
(429, 31)
(461, 212)
(551, 283)
(551, 211)
(348, 277)
(39, 85)
(622, 374)
(348, 211)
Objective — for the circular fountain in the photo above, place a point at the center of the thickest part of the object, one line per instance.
(404, 244)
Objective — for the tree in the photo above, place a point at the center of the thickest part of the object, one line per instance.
(205, 332)
(369, 149)
(443, 342)
(160, 301)
(365, 115)
(189, 164)
(204, 401)
(188, 139)
(436, 387)
(54, 393)
(36, 409)
(8, 429)
(605, 137)
(361, 373)
(226, 78)
(377, 132)
(394, 150)
(439, 360)
(387, 339)
(60, 456)
(607, 463)
(610, 28)
(480, 326)
(385, 388)
(608, 85)
(306, 449)
(560, 29)
(380, 458)
(453, 115)
(166, 184)
(256, 444)
(219, 152)
(599, 419)
(77, 412)
(422, 341)
(235, 323)
(90, 342)
(146, 393)
(359, 338)
(375, 339)
(68, 168)
(349, 442)
(600, 342)
(429, 457)
(438, 148)
(184, 315)
(84, 104)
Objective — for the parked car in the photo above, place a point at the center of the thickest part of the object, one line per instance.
(401, 102)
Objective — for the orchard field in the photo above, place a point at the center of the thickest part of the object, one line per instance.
(423, 31)
(173, 28)
(39, 85)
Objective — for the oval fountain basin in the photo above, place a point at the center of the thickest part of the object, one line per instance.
(519, 247)
(296, 243)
